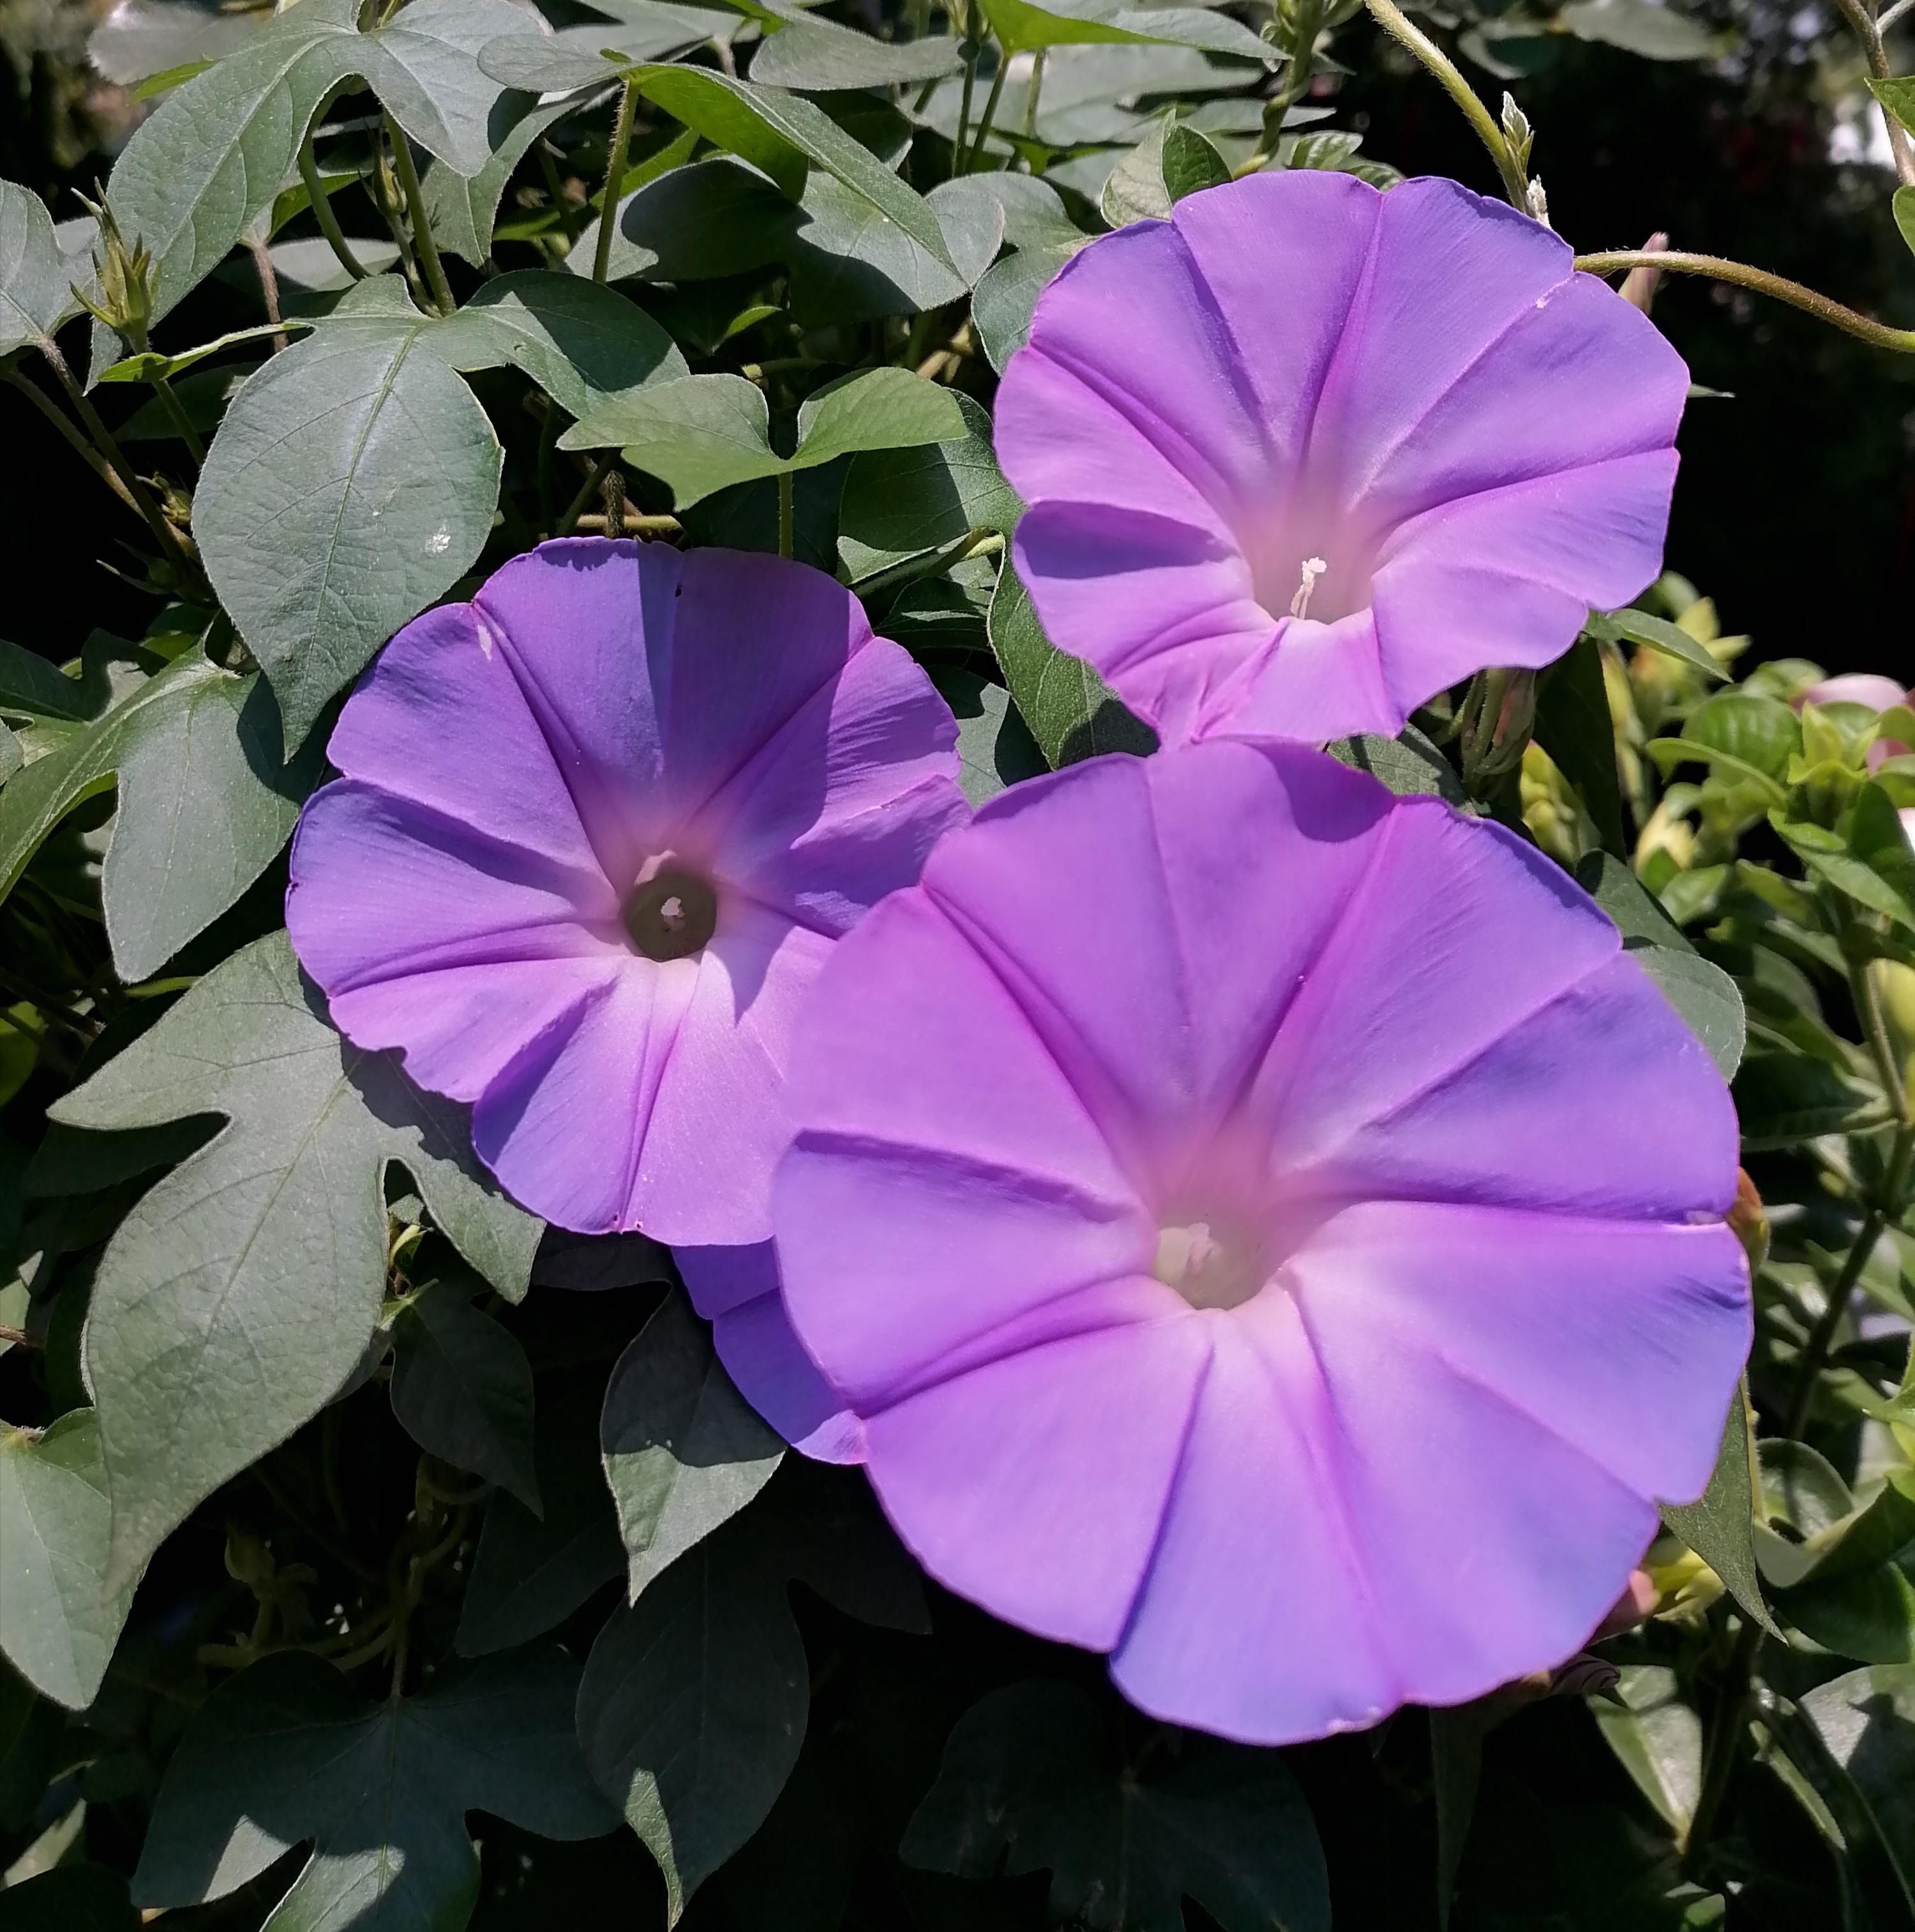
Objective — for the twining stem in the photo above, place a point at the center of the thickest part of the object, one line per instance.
(134, 490)
(990, 112)
(1861, 15)
(262, 266)
(970, 51)
(415, 206)
(1778, 288)
(588, 490)
(88, 454)
(1398, 26)
(1033, 88)
(615, 177)
(385, 192)
(785, 493)
(176, 414)
(321, 205)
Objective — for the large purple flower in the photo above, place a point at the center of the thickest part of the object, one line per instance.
(1270, 1231)
(598, 830)
(1306, 454)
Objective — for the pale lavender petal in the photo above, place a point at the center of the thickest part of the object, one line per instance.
(1857, 687)
(1459, 934)
(736, 1290)
(441, 720)
(1494, 1129)
(1619, 1334)
(1255, 1621)
(716, 1123)
(1035, 1483)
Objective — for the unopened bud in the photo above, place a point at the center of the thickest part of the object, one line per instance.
(1585, 1676)
(124, 277)
(1539, 201)
(1749, 1221)
(1517, 130)
(1636, 1605)
(1639, 285)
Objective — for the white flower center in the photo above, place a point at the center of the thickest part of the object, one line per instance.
(1313, 567)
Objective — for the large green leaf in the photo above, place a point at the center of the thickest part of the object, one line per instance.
(288, 1753)
(820, 56)
(785, 135)
(35, 296)
(352, 482)
(1573, 725)
(1657, 1738)
(462, 1387)
(462, 209)
(212, 158)
(1072, 712)
(205, 804)
(57, 1626)
(1034, 1779)
(1866, 1722)
(587, 55)
(704, 433)
(1408, 765)
(1020, 25)
(995, 748)
(694, 1703)
(354, 478)
(683, 1451)
(241, 1291)
(532, 1572)
(689, 224)
(898, 504)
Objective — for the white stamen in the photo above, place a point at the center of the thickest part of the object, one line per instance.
(1313, 567)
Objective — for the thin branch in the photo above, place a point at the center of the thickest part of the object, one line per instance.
(1718, 268)
(415, 206)
(615, 178)
(262, 264)
(1868, 31)
(322, 206)
(1399, 26)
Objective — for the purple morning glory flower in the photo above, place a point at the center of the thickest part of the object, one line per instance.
(1306, 454)
(736, 1290)
(597, 832)
(1269, 1231)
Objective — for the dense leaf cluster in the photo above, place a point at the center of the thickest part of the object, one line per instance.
(371, 1557)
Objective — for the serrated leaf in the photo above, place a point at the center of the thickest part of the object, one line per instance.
(57, 1627)
(701, 433)
(683, 1451)
(461, 1387)
(784, 134)
(694, 1703)
(205, 803)
(1033, 1779)
(1071, 712)
(532, 1573)
(241, 1291)
(287, 1752)
(210, 161)
(35, 277)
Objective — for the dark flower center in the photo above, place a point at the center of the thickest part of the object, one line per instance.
(672, 913)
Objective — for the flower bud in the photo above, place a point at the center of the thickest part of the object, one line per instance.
(125, 279)
(1639, 285)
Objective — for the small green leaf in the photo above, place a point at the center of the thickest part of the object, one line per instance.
(205, 805)
(1866, 1721)
(1719, 1525)
(461, 1387)
(1657, 1739)
(783, 134)
(241, 1291)
(898, 504)
(35, 294)
(683, 1451)
(1638, 627)
(1898, 96)
(152, 367)
(820, 56)
(532, 1572)
(1409, 766)
(1071, 712)
(994, 747)
(1034, 1779)
(57, 1628)
(694, 1699)
(1904, 206)
(1006, 298)
(1171, 161)
(700, 433)
(287, 1752)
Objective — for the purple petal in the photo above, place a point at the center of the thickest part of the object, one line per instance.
(1255, 1621)
(736, 1289)
(1035, 1484)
